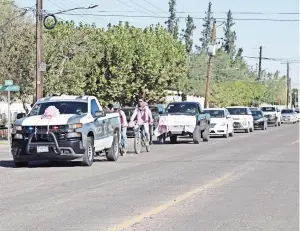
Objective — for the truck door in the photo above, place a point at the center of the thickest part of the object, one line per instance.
(99, 126)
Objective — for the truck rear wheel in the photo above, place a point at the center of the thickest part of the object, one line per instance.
(197, 135)
(113, 152)
(89, 154)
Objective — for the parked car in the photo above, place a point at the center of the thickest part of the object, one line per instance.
(273, 114)
(289, 116)
(260, 121)
(183, 119)
(242, 117)
(64, 128)
(221, 122)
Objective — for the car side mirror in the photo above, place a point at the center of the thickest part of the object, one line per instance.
(21, 115)
(100, 114)
(278, 110)
(227, 117)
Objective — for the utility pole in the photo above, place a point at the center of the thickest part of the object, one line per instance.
(209, 65)
(287, 84)
(259, 64)
(39, 50)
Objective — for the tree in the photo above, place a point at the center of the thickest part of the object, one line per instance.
(206, 38)
(229, 35)
(188, 34)
(17, 56)
(173, 21)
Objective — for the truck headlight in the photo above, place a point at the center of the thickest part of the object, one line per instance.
(74, 126)
(17, 128)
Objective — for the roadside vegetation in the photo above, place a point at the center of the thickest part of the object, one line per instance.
(122, 62)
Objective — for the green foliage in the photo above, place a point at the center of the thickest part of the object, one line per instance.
(172, 22)
(188, 34)
(121, 63)
(206, 38)
(17, 50)
(229, 35)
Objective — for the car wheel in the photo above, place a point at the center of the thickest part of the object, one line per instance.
(226, 134)
(205, 134)
(247, 130)
(89, 154)
(231, 133)
(173, 139)
(113, 152)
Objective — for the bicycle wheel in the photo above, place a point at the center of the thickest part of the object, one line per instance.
(145, 142)
(137, 143)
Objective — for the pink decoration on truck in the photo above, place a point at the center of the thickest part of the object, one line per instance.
(51, 112)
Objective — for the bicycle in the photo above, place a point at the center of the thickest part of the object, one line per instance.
(140, 139)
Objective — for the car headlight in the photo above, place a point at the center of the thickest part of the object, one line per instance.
(260, 120)
(74, 126)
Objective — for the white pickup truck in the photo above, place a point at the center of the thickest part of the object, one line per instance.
(273, 114)
(62, 128)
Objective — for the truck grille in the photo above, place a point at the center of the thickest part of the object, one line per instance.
(59, 132)
(237, 125)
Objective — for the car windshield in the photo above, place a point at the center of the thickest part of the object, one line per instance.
(287, 111)
(257, 113)
(268, 109)
(182, 108)
(237, 111)
(63, 107)
(215, 113)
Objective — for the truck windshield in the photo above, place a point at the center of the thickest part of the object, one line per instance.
(215, 113)
(287, 111)
(268, 109)
(257, 113)
(182, 108)
(63, 107)
(237, 111)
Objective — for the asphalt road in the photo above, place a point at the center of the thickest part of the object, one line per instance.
(245, 183)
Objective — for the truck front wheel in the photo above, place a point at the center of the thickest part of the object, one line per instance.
(89, 154)
(197, 135)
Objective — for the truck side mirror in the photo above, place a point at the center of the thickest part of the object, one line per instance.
(21, 115)
(100, 114)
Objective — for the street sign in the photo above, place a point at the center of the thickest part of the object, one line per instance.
(8, 83)
(10, 88)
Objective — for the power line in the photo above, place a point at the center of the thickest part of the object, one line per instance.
(142, 7)
(181, 17)
(125, 4)
(154, 6)
(272, 59)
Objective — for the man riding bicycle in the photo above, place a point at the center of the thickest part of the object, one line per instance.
(144, 117)
(124, 126)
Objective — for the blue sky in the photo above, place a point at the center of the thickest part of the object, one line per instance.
(279, 39)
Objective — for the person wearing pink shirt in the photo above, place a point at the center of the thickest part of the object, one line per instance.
(143, 115)
(124, 126)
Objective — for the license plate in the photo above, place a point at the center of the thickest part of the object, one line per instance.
(41, 149)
